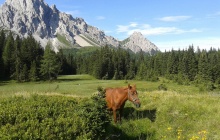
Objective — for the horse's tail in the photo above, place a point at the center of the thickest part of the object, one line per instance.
(101, 92)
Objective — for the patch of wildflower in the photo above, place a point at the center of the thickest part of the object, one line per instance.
(164, 137)
(203, 134)
(194, 138)
(169, 128)
(179, 134)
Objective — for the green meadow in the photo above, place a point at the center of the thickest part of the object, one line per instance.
(178, 113)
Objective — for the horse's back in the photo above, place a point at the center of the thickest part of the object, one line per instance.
(110, 92)
(113, 97)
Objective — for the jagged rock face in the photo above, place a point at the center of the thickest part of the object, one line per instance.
(26, 17)
(137, 42)
(35, 17)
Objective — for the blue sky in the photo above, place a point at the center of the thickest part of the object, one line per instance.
(167, 23)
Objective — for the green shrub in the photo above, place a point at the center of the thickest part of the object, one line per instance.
(51, 117)
(210, 87)
(162, 87)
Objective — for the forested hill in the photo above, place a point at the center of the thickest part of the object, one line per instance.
(24, 60)
(183, 66)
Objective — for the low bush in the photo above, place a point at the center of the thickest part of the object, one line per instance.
(52, 117)
(162, 87)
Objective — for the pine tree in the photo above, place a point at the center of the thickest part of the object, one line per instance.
(97, 66)
(24, 73)
(142, 72)
(213, 65)
(33, 73)
(50, 65)
(131, 71)
(202, 75)
(172, 63)
(8, 56)
(157, 65)
(192, 63)
(2, 44)
(17, 59)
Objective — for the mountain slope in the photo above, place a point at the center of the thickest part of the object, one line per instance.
(46, 23)
(137, 42)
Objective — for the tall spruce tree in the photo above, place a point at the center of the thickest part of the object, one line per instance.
(2, 44)
(192, 63)
(131, 71)
(203, 67)
(50, 65)
(8, 56)
(213, 70)
(24, 73)
(17, 59)
(33, 73)
(142, 72)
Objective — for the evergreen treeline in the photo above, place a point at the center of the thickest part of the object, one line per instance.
(25, 60)
(182, 66)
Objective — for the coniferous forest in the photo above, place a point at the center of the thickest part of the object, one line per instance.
(25, 60)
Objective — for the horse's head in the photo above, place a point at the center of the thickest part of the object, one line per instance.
(133, 95)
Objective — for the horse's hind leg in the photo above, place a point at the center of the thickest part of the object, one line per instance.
(120, 114)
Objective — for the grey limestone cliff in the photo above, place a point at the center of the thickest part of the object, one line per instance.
(137, 42)
(46, 23)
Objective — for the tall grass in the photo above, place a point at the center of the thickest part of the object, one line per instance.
(181, 112)
(176, 116)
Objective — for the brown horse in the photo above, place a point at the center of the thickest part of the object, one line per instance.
(116, 98)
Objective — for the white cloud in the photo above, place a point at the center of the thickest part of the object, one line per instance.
(202, 43)
(133, 24)
(126, 28)
(214, 15)
(147, 30)
(156, 31)
(73, 13)
(174, 18)
(100, 18)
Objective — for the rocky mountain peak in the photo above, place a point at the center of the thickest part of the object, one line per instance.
(137, 42)
(137, 37)
(45, 23)
(54, 8)
(26, 5)
(137, 34)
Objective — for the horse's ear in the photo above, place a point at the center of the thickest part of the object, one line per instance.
(129, 87)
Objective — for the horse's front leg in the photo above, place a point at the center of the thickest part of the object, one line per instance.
(120, 114)
(114, 115)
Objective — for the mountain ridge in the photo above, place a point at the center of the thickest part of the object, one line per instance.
(46, 23)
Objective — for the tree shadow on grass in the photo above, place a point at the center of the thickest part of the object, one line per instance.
(2, 83)
(69, 80)
(115, 132)
(132, 113)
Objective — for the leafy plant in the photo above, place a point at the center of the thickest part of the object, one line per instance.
(162, 87)
(42, 117)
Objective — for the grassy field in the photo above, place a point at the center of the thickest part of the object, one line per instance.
(181, 112)
(86, 85)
